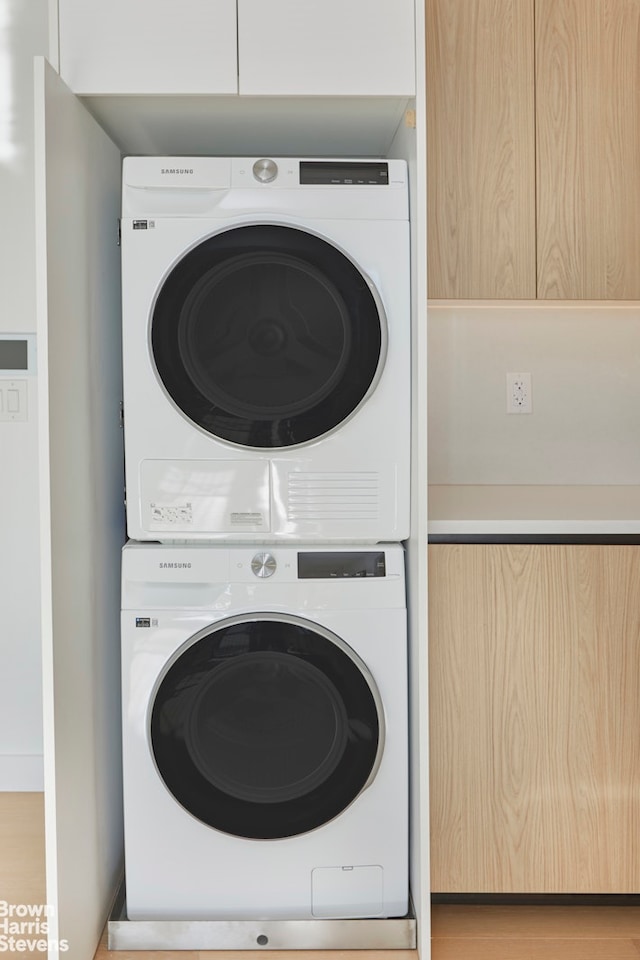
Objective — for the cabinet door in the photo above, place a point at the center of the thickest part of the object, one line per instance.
(149, 46)
(480, 149)
(330, 47)
(535, 718)
(588, 135)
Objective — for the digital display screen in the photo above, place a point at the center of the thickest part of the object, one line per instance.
(326, 565)
(349, 173)
(14, 355)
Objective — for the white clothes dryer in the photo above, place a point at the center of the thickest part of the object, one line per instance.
(266, 340)
(264, 732)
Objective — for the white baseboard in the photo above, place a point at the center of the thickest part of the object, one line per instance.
(21, 773)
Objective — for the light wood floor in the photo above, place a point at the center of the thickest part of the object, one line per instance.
(459, 932)
(22, 848)
(22, 878)
(103, 954)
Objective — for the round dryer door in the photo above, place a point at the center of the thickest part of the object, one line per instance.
(266, 727)
(267, 336)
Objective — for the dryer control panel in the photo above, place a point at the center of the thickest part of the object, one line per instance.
(329, 565)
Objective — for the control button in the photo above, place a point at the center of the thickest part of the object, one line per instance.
(265, 170)
(13, 401)
(264, 565)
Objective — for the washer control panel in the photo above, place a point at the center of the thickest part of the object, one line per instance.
(352, 173)
(223, 577)
(345, 172)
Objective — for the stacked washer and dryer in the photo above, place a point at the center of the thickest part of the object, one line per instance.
(266, 340)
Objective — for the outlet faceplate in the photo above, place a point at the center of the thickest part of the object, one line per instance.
(519, 399)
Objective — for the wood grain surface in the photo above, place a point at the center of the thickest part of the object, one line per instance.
(535, 933)
(535, 718)
(588, 148)
(480, 149)
(22, 876)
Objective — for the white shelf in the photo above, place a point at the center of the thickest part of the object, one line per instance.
(502, 510)
(243, 126)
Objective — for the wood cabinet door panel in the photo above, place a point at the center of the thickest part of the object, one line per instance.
(480, 149)
(535, 716)
(588, 148)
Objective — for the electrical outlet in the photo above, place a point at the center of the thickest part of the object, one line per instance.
(519, 398)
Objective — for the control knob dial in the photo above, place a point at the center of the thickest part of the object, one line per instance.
(264, 565)
(265, 170)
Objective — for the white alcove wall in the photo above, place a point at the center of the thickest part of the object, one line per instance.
(23, 33)
(78, 197)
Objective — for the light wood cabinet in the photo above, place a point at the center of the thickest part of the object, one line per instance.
(588, 148)
(480, 149)
(533, 148)
(535, 718)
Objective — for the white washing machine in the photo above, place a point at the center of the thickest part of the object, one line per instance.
(266, 311)
(265, 732)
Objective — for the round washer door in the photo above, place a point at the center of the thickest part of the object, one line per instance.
(266, 727)
(267, 336)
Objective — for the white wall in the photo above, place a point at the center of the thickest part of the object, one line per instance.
(23, 33)
(584, 360)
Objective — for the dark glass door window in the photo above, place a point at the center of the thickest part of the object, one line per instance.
(266, 728)
(267, 336)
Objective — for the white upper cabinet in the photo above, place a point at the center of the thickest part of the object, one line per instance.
(285, 47)
(330, 47)
(148, 46)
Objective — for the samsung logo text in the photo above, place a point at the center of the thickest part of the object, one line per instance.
(175, 566)
(179, 170)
